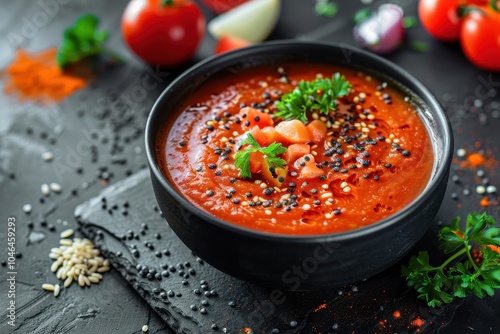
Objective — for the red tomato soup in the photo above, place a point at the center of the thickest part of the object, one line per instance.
(342, 170)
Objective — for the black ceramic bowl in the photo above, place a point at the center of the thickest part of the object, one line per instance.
(301, 262)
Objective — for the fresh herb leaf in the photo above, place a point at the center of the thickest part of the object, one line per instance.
(319, 94)
(326, 8)
(81, 40)
(460, 275)
(362, 15)
(409, 22)
(242, 158)
(419, 46)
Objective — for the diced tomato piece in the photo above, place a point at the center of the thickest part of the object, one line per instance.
(307, 167)
(276, 178)
(317, 131)
(259, 136)
(296, 151)
(228, 43)
(273, 136)
(294, 131)
(254, 117)
(256, 159)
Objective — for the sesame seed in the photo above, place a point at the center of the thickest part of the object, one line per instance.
(48, 287)
(55, 187)
(145, 328)
(45, 189)
(268, 212)
(491, 189)
(306, 207)
(47, 156)
(347, 189)
(27, 208)
(461, 152)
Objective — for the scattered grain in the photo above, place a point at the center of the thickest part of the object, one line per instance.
(67, 233)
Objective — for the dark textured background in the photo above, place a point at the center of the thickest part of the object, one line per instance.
(110, 116)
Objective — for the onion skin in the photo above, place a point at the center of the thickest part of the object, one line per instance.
(383, 31)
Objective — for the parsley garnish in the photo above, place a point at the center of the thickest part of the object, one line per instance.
(81, 40)
(459, 275)
(242, 158)
(319, 94)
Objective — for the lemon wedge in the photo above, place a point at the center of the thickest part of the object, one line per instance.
(252, 21)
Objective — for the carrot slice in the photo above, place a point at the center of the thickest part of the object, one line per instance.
(251, 117)
(294, 131)
(296, 151)
(317, 131)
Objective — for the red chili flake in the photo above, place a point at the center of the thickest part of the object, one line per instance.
(417, 322)
(396, 314)
(476, 159)
(485, 201)
(322, 306)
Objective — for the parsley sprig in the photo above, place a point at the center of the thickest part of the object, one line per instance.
(81, 40)
(242, 158)
(319, 94)
(459, 275)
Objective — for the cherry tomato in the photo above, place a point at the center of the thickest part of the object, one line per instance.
(480, 38)
(163, 32)
(440, 18)
(222, 6)
(228, 43)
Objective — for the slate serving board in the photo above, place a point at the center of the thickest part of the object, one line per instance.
(193, 297)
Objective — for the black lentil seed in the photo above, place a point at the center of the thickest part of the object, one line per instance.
(337, 212)
(406, 153)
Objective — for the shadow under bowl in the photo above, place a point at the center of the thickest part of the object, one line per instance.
(301, 262)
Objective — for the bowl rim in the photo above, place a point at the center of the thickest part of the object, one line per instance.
(439, 172)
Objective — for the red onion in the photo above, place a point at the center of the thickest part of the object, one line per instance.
(383, 31)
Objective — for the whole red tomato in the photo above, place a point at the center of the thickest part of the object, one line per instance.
(480, 38)
(221, 6)
(163, 32)
(440, 18)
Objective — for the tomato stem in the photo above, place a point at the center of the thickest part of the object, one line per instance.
(495, 5)
(167, 3)
(463, 11)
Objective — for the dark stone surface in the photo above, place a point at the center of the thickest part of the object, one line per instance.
(110, 114)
